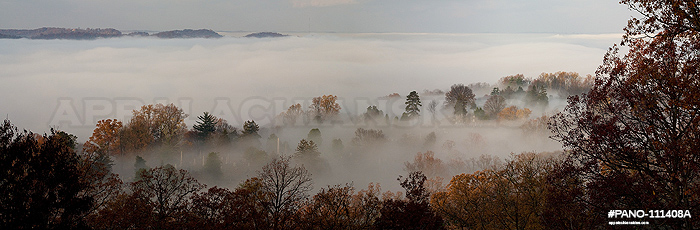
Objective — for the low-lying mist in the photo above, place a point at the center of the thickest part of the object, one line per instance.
(70, 85)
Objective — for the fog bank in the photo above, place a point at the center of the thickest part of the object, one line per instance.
(72, 84)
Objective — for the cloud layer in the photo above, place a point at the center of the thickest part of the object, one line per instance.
(106, 78)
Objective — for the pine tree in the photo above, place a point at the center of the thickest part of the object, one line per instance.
(250, 129)
(315, 136)
(412, 106)
(307, 149)
(206, 125)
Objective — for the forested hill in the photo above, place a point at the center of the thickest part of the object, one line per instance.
(87, 34)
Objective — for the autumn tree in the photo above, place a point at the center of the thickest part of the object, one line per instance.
(537, 125)
(508, 197)
(428, 164)
(465, 203)
(517, 80)
(513, 113)
(637, 126)
(494, 105)
(292, 114)
(44, 181)
(285, 187)
(340, 207)
(536, 95)
(459, 98)
(331, 208)
(412, 213)
(666, 16)
(105, 138)
(224, 132)
(213, 209)
(250, 205)
(368, 137)
(324, 107)
(154, 124)
(565, 83)
(167, 192)
(220, 208)
(507, 93)
(412, 106)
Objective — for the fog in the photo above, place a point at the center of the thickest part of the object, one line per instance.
(70, 85)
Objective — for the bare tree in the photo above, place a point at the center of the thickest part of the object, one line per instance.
(167, 191)
(459, 97)
(286, 187)
(494, 105)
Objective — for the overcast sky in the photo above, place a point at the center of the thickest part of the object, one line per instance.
(413, 16)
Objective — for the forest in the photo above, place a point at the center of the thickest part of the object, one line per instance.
(627, 138)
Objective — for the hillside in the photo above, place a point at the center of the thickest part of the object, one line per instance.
(187, 33)
(265, 35)
(62, 33)
(89, 34)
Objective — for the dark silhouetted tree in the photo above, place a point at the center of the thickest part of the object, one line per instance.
(315, 136)
(634, 135)
(166, 192)
(459, 98)
(285, 187)
(494, 105)
(412, 213)
(372, 114)
(212, 165)
(307, 149)
(205, 126)
(250, 129)
(44, 182)
(412, 106)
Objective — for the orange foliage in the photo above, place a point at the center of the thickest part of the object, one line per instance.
(105, 137)
(513, 113)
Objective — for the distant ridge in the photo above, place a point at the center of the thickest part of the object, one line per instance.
(89, 34)
(265, 35)
(187, 33)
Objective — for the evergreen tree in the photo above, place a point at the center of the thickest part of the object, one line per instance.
(140, 163)
(212, 165)
(206, 125)
(373, 113)
(250, 129)
(536, 96)
(315, 136)
(412, 106)
(430, 140)
(307, 149)
(338, 145)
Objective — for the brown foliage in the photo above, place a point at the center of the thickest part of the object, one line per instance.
(511, 197)
(285, 188)
(154, 124)
(105, 138)
(324, 107)
(513, 113)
